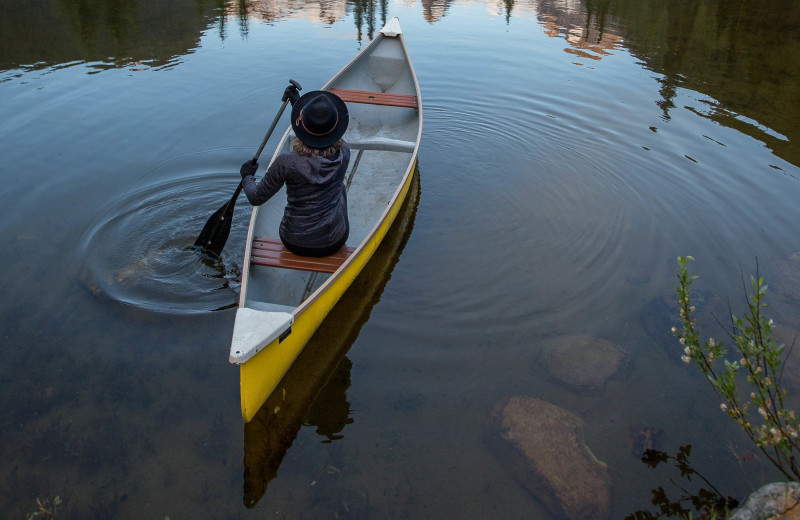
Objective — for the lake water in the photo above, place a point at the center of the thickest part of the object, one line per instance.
(571, 151)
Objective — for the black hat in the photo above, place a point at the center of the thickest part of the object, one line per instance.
(319, 118)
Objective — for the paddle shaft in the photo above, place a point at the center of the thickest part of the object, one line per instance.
(215, 233)
(271, 128)
(261, 148)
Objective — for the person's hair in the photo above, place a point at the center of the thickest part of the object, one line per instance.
(303, 149)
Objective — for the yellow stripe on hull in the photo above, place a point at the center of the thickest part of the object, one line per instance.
(259, 376)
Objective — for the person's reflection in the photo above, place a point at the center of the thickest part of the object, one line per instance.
(330, 412)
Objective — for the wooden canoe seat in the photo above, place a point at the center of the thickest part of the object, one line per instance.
(271, 252)
(377, 98)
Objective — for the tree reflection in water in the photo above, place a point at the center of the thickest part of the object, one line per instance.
(707, 501)
(364, 13)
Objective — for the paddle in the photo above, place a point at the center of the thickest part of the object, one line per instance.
(215, 233)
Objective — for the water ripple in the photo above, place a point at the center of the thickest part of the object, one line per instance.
(140, 251)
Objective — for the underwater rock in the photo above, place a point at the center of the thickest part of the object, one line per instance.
(790, 338)
(643, 438)
(783, 277)
(660, 314)
(776, 500)
(543, 447)
(790, 369)
(584, 363)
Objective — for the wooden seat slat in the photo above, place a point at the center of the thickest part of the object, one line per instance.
(377, 98)
(270, 252)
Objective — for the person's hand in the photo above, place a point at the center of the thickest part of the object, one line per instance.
(290, 94)
(249, 168)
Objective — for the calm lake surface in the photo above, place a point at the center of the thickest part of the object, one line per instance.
(571, 151)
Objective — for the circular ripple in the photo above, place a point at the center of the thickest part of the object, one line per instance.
(141, 251)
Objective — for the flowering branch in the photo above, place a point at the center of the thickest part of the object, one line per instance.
(772, 428)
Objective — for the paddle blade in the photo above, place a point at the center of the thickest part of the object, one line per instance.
(215, 233)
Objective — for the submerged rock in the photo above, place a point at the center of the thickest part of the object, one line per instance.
(543, 447)
(790, 368)
(584, 363)
(790, 338)
(643, 438)
(660, 314)
(783, 277)
(776, 500)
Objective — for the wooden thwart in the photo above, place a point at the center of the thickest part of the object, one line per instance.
(270, 252)
(376, 98)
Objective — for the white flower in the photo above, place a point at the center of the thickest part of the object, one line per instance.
(686, 359)
(723, 407)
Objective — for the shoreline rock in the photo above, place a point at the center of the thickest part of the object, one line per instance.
(776, 500)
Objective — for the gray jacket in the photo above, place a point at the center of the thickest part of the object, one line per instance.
(316, 207)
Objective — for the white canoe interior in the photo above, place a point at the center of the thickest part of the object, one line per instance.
(383, 142)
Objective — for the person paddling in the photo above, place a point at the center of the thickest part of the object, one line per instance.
(315, 219)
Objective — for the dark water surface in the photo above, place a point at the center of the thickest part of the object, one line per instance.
(571, 150)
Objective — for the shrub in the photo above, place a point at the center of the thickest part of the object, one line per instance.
(747, 378)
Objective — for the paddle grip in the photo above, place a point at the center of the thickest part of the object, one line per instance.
(275, 121)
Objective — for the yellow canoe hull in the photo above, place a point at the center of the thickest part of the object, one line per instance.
(259, 376)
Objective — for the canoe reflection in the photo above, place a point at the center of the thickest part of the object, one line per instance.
(313, 391)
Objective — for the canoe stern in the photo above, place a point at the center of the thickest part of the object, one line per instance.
(254, 329)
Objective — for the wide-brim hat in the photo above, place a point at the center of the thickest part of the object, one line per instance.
(319, 118)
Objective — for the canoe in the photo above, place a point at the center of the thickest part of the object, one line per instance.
(284, 297)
